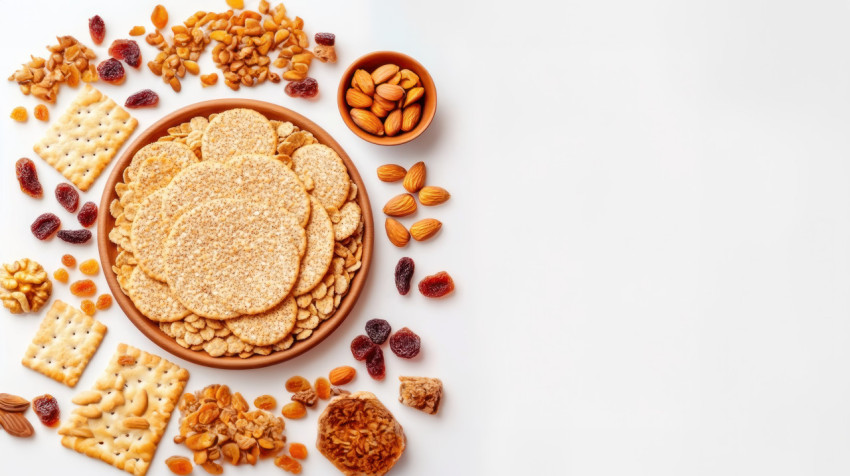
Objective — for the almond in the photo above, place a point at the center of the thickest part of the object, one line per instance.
(384, 73)
(409, 79)
(384, 102)
(356, 98)
(78, 432)
(379, 111)
(16, 424)
(136, 423)
(397, 233)
(391, 173)
(424, 229)
(413, 95)
(13, 403)
(367, 121)
(415, 178)
(410, 117)
(392, 124)
(390, 92)
(363, 81)
(342, 375)
(400, 205)
(87, 397)
(430, 196)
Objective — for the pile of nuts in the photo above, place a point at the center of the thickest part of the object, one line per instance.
(387, 101)
(181, 55)
(404, 204)
(69, 62)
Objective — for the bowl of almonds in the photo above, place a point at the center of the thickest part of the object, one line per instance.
(387, 98)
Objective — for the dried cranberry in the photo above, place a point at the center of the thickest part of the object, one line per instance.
(361, 346)
(68, 197)
(375, 364)
(28, 178)
(74, 236)
(436, 285)
(97, 29)
(45, 226)
(378, 330)
(127, 50)
(88, 214)
(47, 409)
(405, 343)
(403, 275)
(326, 39)
(306, 88)
(143, 98)
(111, 71)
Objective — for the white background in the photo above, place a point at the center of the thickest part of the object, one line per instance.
(648, 229)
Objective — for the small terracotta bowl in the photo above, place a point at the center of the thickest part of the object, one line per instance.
(372, 61)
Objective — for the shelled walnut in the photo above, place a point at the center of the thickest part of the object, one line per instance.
(25, 286)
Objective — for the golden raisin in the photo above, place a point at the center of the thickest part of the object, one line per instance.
(104, 302)
(287, 463)
(179, 465)
(137, 30)
(83, 288)
(298, 450)
(87, 306)
(294, 410)
(323, 388)
(69, 261)
(297, 384)
(61, 275)
(237, 4)
(41, 113)
(159, 17)
(265, 402)
(209, 79)
(90, 267)
(19, 114)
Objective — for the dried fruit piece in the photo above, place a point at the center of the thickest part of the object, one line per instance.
(28, 178)
(378, 330)
(19, 114)
(361, 346)
(298, 450)
(159, 17)
(265, 402)
(83, 288)
(326, 39)
(405, 343)
(61, 275)
(87, 306)
(45, 226)
(104, 302)
(68, 197)
(237, 4)
(127, 50)
(342, 375)
(47, 409)
(69, 261)
(97, 29)
(88, 214)
(294, 410)
(306, 88)
(297, 383)
(403, 275)
(375, 364)
(436, 285)
(179, 465)
(143, 98)
(209, 79)
(323, 388)
(76, 237)
(90, 267)
(41, 113)
(288, 463)
(137, 30)
(111, 71)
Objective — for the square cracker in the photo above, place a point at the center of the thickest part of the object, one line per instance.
(123, 417)
(87, 136)
(64, 344)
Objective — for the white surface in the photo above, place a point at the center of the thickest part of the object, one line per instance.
(649, 231)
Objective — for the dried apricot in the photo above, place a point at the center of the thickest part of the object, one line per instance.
(69, 261)
(436, 285)
(137, 30)
(88, 307)
(323, 388)
(90, 267)
(61, 275)
(159, 17)
(47, 409)
(294, 410)
(237, 4)
(104, 301)
(97, 29)
(88, 214)
(297, 384)
(179, 465)
(19, 114)
(68, 197)
(265, 402)
(287, 463)
(28, 178)
(298, 450)
(83, 288)
(45, 226)
(41, 113)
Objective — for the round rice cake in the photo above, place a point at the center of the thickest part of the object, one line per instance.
(231, 256)
(154, 174)
(267, 179)
(265, 328)
(147, 234)
(348, 221)
(197, 184)
(320, 250)
(238, 131)
(179, 153)
(327, 171)
(153, 298)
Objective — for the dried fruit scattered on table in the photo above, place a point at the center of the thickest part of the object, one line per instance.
(47, 409)
(45, 226)
(28, 178)
(297, 383)
(294, 410)
(326, 39)
(61, 275)
(104, 302)
(375, 364)
(69, 261)
(68, 197)
(137, 30)
(87, 306)
(361, 346)
(237, 4)
(111, 71)
(405, 343)
(288, 463)
(127, 50)
(209, 79)
(298, 450)
(306, 88)
(323, 388)
(403, 275)
(436, 285)
(143, 98)
(19, 114)
(97, 29)
(41, 113)
(83, 288)
(90, 267)
(378, 330)
(159, 17)
(88, 214)
(179, 465)
(76, 237)
(342, 375)
(265, 402)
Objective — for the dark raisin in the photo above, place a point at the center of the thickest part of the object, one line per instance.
(45, 226)
(97, 29)
(88, 214)
(403, 275)
(127, 50)
(143, 98)
(28, 178)
(47, 409)
(405, 343)
(68, 197)
(306, 88)
(375, 364)
(327, 39)
(111, 71)
(378, 330)
(436, 285)
(74, 236)
(361, 346)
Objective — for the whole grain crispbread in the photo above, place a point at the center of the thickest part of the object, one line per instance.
(148, 234)
(320, 250)
(266, 328)
(238, 131)
(267, 179)
(327, 171)
(179, 153)
(153, 298)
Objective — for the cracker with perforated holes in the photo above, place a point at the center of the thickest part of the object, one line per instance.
(64, 344)
(122, 419)
(85, 139)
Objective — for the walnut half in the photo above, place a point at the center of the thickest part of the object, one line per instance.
(25, 286)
